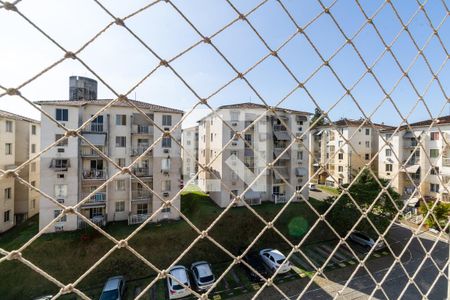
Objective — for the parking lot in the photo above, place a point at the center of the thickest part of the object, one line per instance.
(237, 282)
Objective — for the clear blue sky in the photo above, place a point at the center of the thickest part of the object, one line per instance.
(121, 61)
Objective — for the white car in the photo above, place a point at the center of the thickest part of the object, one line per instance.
(203, 275)
(176, 290)
(366, 241)
(274, 260)
(113, 289)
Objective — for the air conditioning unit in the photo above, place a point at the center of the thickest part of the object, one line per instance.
(234, 144)
(166, 128)
(59, 227)
(60, 201)
(165, 172)
(166, 150)
(165, 194)
(234, 124)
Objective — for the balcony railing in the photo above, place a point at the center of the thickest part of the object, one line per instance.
(278, 127)
(97, 220)
(279, 198)
(142, 129)
(140, 149)
(141, 172)
(137, 218)
(94, 174)
(97, 198)
(89, 152)
(96, 127)
(141, 194)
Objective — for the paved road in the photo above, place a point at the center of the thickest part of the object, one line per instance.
(427, 279)
(319, 195)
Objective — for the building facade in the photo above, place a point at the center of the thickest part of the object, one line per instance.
(417, 171)
(266, 139)
(341, 161)
(82, 88)
(19, 141)
(72, 170)
(189, 153)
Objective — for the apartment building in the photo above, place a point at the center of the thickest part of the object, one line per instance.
(19, 140)
(341, 160)
(72, 169)
(266, 138)
(189, 153)
(408, 165)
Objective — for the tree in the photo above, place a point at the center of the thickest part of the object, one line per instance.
(317, 115)
(365, 191)
(439, 216)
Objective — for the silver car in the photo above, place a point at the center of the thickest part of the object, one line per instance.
(203, 275)
(366, 241)
(113, 289)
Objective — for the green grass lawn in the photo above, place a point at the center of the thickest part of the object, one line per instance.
(68, 255)
(328, 189)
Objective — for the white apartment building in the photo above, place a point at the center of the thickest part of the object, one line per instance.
(237, 166)
(19, 140)
(430, 175)
(72, 169)
(189, 153)
(342, 164)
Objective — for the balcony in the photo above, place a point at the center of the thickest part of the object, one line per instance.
(95, 174)
(137, 219)
(142, 130)
(279, 198)
(97, 220)
(446, 161)
(140, 195)
(97, 198)
(142, 171)
(89, 152)
(96, 127)
(140, 149)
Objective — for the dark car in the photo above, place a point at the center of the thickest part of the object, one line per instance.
(253, 259)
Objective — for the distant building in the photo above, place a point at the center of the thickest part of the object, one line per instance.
(82, 88)
(189, 153)
(235, 163)
(341, 165)
(19, 141)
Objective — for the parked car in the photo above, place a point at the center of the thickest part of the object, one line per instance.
(253, 259)
(47, 297)
(313, 187)
(274, 259)
(203, 275)
(176, 290)
(113, 289)
(366, 241)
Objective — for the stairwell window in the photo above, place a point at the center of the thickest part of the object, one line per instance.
(434, 136)
(121, 120)
(121, 141)
(7, 216)
(120, 206)
(167, 120)
(9, 126)
(62, 114)
(388, 168)
(8, 193)
(56, 213)
(8, 149)
(434, 187)
(167, 142)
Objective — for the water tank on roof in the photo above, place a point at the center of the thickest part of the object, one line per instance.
(82, 88)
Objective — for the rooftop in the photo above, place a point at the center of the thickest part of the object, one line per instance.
(440, 121)
(102, 102)
(251, 105)
(344, 122)
(9, 115)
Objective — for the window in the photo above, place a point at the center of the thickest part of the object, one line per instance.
(9, 126)
(63, 143)
(340, 155)
(367, 156)
(388, 168)
(387, 136)
(339, 143)
(7, 216)
(367, 144)
(434, 187)
(121, 120)
(33, 148)
(8, 193)
(60, 190)
(33, 183)
(167, 210)
(434, 136)
(212, 137)
(62, 114)
(234, 116)
(234, 193)
(121, 141)
(167, 142)
(367, 131)
(60, 163)
(121, 162)
(166, 186)
(33, 129)
(340, 169)
(248, 138)
(120, 206)
(33, 167)
(8, 149)
(56, 213)
(165, 164)
(434, 171)
(188, 143)
(434, 153)
(120, 185)
(388, 152)
(167, 120)
(33, 204)
(300, 155)
(142, 208)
